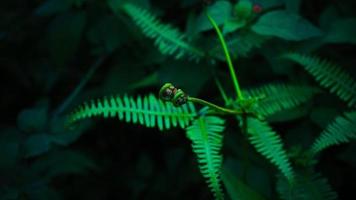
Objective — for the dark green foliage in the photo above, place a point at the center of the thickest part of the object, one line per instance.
(240, 44)
(147, 111)
(284, 138)
(307, 186)
(286, 25)
(342, 130)
(206, 136)
(269, 144)
(329, 75)
(278, 97)
(168, 39)
(237, 189)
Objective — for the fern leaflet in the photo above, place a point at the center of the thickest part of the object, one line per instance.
(306, 186)
(168, 39)
(279, 97)
(342, 130)
(205, 134)
(269, 144)
(147, 111)
(328, 75)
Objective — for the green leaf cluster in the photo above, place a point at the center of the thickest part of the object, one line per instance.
(289, 134)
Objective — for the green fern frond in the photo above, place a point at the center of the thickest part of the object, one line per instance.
(306, 186)
(278, 97)
(206, 137)
(169, 40)
(269, 144)
(147, 111)
(328, 75)
(240, 44)
(342, 130)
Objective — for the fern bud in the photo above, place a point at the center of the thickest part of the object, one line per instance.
(180, 98)
(167, 92)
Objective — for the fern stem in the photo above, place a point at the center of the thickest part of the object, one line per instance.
(228, 58)
(222, 91)
(215, 107)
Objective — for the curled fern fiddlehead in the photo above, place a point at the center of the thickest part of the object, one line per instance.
(170, 93)
(166, 93)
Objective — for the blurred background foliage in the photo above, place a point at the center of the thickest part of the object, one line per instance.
(57, 53)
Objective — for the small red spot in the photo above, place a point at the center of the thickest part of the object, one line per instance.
(257, 8)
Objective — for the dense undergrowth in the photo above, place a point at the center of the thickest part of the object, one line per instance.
(154, 99)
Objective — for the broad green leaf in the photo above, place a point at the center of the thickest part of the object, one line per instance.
(33, 119)
(37, 144)
(286, 25)
(220, 11)
(64, 36)
(240, 44)
(243, 9)
(233, 25)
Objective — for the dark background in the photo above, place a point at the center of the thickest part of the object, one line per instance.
(48, 47)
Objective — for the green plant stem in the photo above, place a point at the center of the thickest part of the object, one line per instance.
(215, 107)
(222, 91)
(228, 58)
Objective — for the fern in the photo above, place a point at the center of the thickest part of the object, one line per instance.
(306, 187)
(342, 130)
(147, 111)
(269, 144)
(168, 39)
(329, 75)
(240, 44)
(205, 134)
(278, 97)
